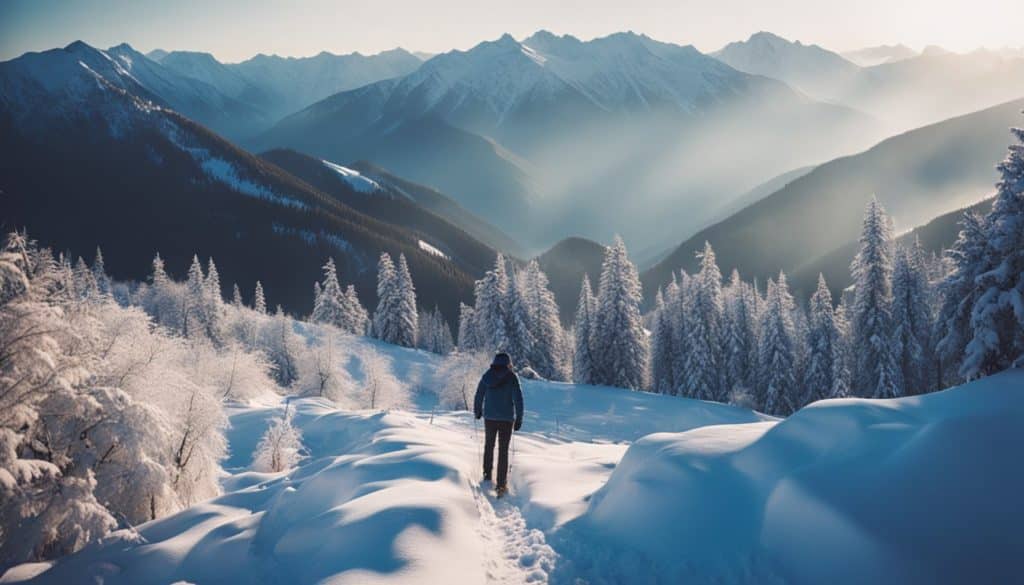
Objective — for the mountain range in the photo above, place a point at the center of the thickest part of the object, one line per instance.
(94, 158)
(616, 134)
(507, 146)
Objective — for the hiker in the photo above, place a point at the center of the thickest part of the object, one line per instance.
(499, 400)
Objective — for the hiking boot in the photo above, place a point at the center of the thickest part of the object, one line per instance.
(500, 491)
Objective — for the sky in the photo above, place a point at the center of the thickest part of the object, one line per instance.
(234, 30)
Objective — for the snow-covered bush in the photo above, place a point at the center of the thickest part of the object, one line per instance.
(380, 388)
(280, 448)
(321, 368)
(456, 379)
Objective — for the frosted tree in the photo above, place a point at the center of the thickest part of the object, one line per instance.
(456, 378)
(841, 376)
(407, 314)
(259, 301)
(776, 374)
(586, 308)
(85, 281)
(394, 321)
(823, 340)
(662, 347)
(549, 354)
(491, 293)
(161, 299)
(618, 339)
(434, 334)
(997, 317)
(213, 304)
(194, 301)
(959, 294)
(99, 272)
(703, 375)
(381, 389)
(330, 306)
(467, 328)
(739, 339)
(681, 309)
(876, 373)
(520, 336)
(280, 448)
(321, 372)
(282, 345)
(236, 296)
(359, 319)
(912, 320)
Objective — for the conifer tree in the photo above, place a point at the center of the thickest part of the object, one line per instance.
(467, 328)
(99, 272)
(619, 342)
(491, 293)
(739, 345)
(776, 358)
(997, 317)
(583, 361)
(703, 376)
(876, 373)
(330, 306)
(236, 296)
(912, 319)
(823, 342)
(406, 304)
(359, 319)
(259, 301)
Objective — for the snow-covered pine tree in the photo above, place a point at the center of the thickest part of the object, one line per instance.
(330, 306)
(997, 318)
(359, 318)
(959, 292)
(467, 328)
(662, 348)
(549, 352)
(259, 301)
(193, 314)
(236, 296)
(85, 281)
(99, 272)
(618, 339)
(876, 373)
(213, 302)
(282, 347)
(520, 339)
(912, 319)
(776, 371)
(739, 351)
(406, 304)
(703, 375)
(823, 338)
(490, 312)
(385, 316)
(582, 361)
(841, 360)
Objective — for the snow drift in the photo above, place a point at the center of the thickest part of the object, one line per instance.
(913, 490)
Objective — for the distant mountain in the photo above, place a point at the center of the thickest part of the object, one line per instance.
(555, 131)
(388, 204)
(903, 91)
(871, 56)
(917, 176)
(565, 264)
(809, 68)
(233, 109)
(93, 158)
(297, 82)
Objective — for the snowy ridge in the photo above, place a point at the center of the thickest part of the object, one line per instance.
(354, 178)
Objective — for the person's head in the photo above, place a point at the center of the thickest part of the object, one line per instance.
(502, 361)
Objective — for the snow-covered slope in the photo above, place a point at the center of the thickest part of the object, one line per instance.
(353, 178)
(913, 490)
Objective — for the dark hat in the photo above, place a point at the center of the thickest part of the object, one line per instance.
(502, 360)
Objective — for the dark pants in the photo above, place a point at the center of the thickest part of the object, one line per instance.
(503, 430)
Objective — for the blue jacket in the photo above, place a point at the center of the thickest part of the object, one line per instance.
(499, 396)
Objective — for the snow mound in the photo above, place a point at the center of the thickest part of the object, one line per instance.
(914, 490)
(354, 178)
